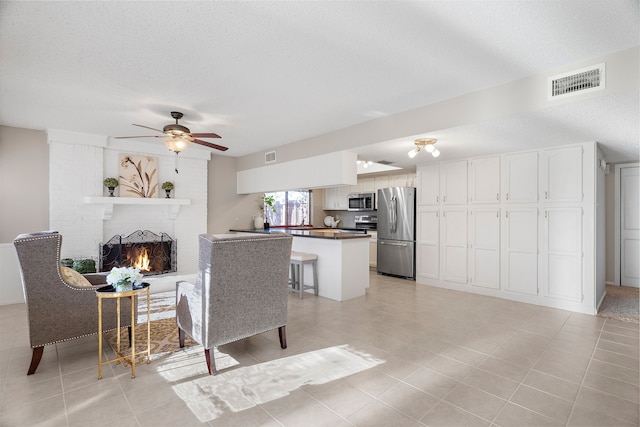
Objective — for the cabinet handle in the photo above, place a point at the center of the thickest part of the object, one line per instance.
(545, 214)
(444, 198)
(437, 199)
(498, 214)
(498, 196)
(545, 194)
(507, 214)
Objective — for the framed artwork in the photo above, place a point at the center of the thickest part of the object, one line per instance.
(138, 176)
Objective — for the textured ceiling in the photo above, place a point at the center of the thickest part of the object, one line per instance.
(265, 74)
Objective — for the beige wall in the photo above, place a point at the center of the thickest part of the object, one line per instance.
(226, 209)
(24, 182)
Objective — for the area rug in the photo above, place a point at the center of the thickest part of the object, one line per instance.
(621, 303)
(164, 331)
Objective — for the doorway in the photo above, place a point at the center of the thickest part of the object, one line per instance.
(627, 225)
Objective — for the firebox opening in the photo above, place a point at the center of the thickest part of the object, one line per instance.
(151, 253)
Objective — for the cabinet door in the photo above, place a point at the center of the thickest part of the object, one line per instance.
(398, 180)
(429, 185)
(342, 201)
(428, 249)
(520, 250)
(562, 174)
(484, 248)
(411, 180)
(454, 182)
(484, 180)
(562, 253)
(366, 185)
(329, 198)
(521, 177)
(454, 244)
(380, 182)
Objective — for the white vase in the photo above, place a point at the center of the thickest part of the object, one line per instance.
(258, 223)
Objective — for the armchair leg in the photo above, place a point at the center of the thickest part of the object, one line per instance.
(211, 361)
(282, 334)
(181, 337)
(36, 356)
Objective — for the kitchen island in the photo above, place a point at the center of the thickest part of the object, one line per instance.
(343, 258)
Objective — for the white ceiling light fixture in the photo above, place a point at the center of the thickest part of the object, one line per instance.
(365, 163)
(426, 144)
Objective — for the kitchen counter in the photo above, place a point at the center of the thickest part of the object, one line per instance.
(318, 233)
(343, 258)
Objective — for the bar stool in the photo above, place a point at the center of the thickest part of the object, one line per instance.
(298, 261)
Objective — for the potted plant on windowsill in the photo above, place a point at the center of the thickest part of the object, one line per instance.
(111, 184)
(269, 204)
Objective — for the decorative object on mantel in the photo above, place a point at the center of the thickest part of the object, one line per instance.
(268, 204)
(138, 176)
(167, 186)
(124, 278)
(111, 184)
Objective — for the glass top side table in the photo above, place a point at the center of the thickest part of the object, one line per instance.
(109, 292)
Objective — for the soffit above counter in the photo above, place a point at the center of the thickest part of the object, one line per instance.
(326, 170)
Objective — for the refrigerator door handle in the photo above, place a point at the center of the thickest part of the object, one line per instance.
(393, 214)
(394, 244)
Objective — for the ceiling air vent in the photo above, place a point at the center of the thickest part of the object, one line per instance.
(270, 157)
(384, 162)
(577, 82)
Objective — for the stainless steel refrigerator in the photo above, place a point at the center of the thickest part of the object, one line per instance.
(397, 231)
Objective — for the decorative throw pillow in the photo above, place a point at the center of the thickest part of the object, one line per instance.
(74, 278)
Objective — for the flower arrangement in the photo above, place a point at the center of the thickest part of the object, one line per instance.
(123, 278)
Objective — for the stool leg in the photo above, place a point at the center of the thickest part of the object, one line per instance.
(315, 277)
(301, 277)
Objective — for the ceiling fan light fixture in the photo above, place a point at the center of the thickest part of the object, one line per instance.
(176, 144)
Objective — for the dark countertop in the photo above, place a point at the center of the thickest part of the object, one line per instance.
(318, 233)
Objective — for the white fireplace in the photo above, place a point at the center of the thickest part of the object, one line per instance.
(81, 211)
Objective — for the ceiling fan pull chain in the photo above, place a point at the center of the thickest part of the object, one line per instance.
(175, 164)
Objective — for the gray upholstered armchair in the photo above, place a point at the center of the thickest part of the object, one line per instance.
(240, 291)
(61, 304)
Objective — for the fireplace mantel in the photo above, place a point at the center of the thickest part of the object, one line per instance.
(109, 202)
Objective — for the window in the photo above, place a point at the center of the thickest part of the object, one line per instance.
(291, 208)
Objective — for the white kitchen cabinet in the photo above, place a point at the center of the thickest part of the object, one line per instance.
(412, 180)
(562, 253)
(428, 248)
(520, 177)
(453, 181)
(484, 180)
(428, 187)
(366, 185)
(562, 174)
(520, 250)
(380, 182)
(399, 180)
(454, 244)
(335, 198)
(484, 247)
(373, 249)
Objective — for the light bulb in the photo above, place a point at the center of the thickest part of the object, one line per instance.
(176, 144)
(435, 152)
(413, 153)
(430, 148)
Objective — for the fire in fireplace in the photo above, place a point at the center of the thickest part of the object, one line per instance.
(149, 252)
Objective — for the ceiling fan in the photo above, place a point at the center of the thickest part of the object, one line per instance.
(178, 137)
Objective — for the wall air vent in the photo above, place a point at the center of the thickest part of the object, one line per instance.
(270, 157)
(577, 82)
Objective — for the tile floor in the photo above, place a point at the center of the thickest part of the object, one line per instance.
(449, 359)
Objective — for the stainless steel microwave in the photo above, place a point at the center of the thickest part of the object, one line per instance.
(362, 201)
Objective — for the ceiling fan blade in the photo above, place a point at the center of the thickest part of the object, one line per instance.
(147, 127)
(205, 135)
(209, 144)
(143, 136)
